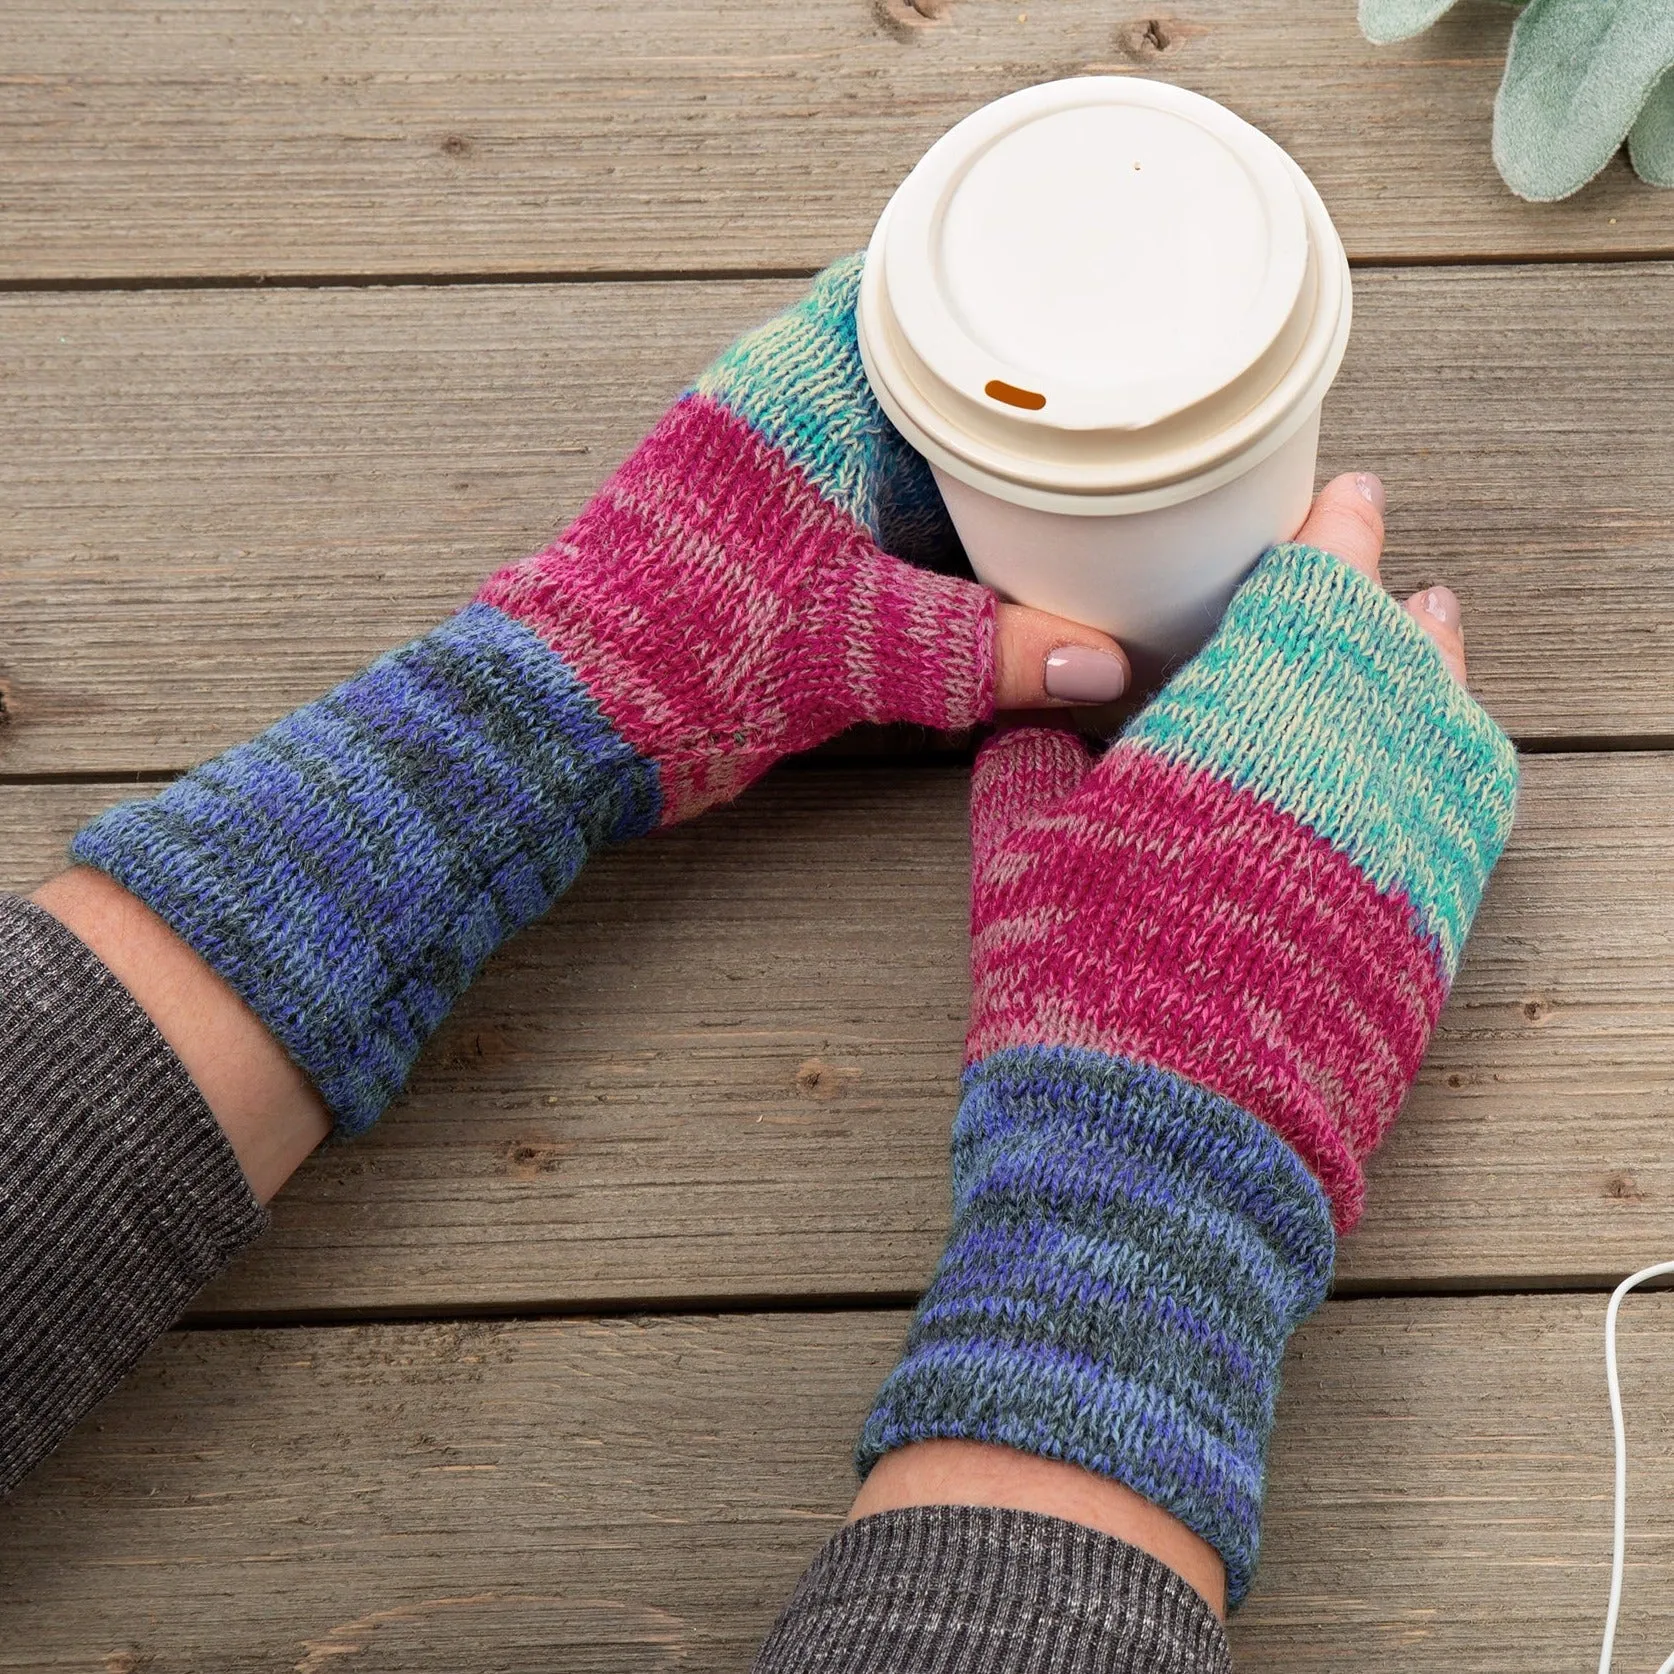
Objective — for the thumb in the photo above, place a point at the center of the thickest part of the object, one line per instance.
(1018, 773)
(943, 652)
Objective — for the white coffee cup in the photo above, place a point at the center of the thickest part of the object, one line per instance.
(1107, 312)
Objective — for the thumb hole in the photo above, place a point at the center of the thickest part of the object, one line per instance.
(1018, 773)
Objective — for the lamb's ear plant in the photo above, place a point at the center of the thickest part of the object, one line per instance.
(1581, 76)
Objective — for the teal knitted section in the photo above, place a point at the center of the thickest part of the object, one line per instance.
(798, 381)
(1320, 695)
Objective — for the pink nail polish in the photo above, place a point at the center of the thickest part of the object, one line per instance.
(1441, 605)
(1081, 674)
(1370, 487)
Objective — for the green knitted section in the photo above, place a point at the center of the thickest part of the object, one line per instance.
(799, 383)
(1320, 695)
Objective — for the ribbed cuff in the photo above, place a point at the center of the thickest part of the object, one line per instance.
(1129, 1256)
(120, 1196)
(349, 870)
(977, 1590)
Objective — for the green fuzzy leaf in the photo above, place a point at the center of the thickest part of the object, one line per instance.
(1651, 143)
(1578, 75)
(1384, 21)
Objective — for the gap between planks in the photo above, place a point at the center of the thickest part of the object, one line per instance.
(605, 1496)
(725, 1066)
(69, 284)
(590, 136)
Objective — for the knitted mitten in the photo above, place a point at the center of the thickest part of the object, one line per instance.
(724, 600)
(1580, 77)
(1205, 970)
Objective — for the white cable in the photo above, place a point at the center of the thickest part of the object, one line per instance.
(1619, 1558)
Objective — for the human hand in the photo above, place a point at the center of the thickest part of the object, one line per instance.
(759, 575)
(1333, 802)
(725, 599)
(1205, 966)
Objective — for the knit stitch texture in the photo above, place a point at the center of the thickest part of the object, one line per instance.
(723, 601)
(119, 1194)
(1129, 1256)
(1205, 969)
(349, 870)
(975, 1589)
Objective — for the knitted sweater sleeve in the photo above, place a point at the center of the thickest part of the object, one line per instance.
(120, 1196)
(964, 1589)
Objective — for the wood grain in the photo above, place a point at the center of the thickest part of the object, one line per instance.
(603, 1496)
(217, 504)
(724, 1069)
(413, 137)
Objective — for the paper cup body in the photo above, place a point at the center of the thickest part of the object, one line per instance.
(1107, 311)
(1157, 580)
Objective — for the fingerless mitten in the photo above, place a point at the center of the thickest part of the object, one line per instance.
(1205, 968)
(724, 600)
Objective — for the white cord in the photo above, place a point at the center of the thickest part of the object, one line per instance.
(1619, 1559)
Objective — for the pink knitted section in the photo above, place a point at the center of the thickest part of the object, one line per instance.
(723, 613)
(1158, 914)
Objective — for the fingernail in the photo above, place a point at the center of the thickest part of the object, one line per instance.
(1080, 674)
(1370, 487)
(1441, 605)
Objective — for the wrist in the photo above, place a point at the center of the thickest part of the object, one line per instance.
(1129, 1256)
(266, 1106)
(347, 872)
(976, 1473)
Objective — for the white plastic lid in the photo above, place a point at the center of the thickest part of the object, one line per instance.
(1098, 287)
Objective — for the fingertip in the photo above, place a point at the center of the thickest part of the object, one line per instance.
(1438, 612)
(1347, 521)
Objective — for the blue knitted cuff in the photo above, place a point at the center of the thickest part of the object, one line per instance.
(349, 870)
(1129, 1255)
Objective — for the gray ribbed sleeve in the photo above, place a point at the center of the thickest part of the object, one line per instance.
(951, 1589)
(119, 1194)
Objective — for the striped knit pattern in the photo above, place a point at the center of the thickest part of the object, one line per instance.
(725, 596)
(725, 613)
(1322, 698)
(1205, 969)
(349, 870)
(1265, 884)
(1129, 1256)
(723, 601)
(798, 382)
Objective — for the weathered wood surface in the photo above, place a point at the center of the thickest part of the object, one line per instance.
(378, 137)
(722, 1072)
(216, 504)
(602, 1496)
(725, 1067)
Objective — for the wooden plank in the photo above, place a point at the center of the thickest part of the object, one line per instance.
(379, 137)
(620, 1495)
(725, 1068)
(217, 504)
